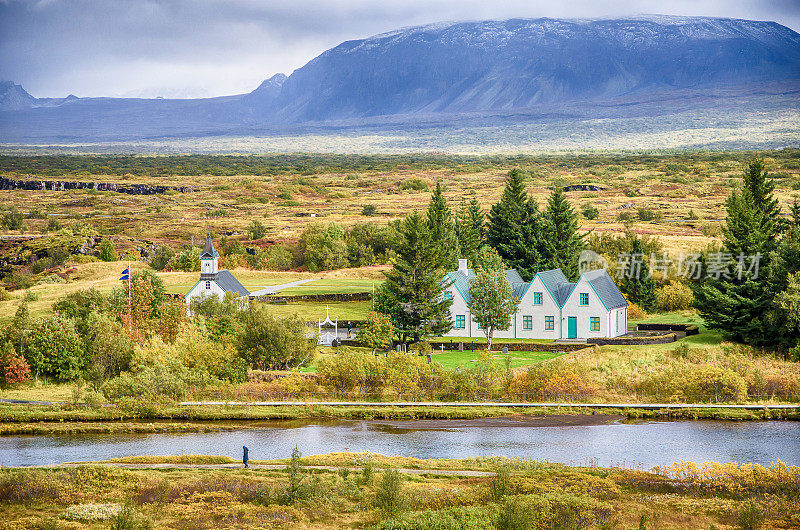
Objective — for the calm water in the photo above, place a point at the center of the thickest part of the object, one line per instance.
(643, 444)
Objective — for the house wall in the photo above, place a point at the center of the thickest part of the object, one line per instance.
(200, 290)
(572, 308)
(459, 307)
(548, 307)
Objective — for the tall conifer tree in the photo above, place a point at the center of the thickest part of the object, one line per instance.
(470, 229)
(443, 229)
(412, 295)
(562, 231)
(516, 229)
(739, 306)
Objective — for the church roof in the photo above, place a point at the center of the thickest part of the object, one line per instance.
(228, 282)
(208, 249)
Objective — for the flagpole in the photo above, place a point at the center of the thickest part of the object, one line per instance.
(130, 315)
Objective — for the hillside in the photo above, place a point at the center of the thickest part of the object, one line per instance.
(516, 71)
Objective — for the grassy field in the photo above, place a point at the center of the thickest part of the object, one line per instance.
(687, 191)
(358, 490)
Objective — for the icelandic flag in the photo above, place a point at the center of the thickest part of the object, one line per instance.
(126, 274)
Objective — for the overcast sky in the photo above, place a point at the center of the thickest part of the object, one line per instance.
(182, 48)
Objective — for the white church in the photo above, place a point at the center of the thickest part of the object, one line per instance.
(214, 282)
(551, 307)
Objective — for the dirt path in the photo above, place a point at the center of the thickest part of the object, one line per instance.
(407, 471)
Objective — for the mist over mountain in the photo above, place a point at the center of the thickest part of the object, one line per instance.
(519, 68)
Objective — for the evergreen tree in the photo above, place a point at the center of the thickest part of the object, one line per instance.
(516, 229)
(637, 283)
(412, 295)
(442, 228)
(739, 304)
(562, 231)
(470, 221)
(795, 211)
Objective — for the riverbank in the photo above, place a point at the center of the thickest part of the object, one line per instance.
(66, 419)
(371, 490)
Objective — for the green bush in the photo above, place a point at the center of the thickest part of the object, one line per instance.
(256, 229)
(12, 219)
(414, 184)
(646, 214)
(269, 343)
(161, 257)
(55, 349)
(389, 496)
(453, 518)
(107, 252)
(323, 247)
(4, 294)
(590, 212)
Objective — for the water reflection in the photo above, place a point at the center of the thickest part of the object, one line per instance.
(642, 444)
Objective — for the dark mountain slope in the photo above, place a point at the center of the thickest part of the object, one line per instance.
(518, 69)
(514, 64)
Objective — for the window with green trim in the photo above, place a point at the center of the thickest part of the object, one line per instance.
(594, 323)
(537, 298)
(549, 323)
(584, 298)
(527, 322)
(460, 322)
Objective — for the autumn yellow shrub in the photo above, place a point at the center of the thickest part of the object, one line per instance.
(673, 296)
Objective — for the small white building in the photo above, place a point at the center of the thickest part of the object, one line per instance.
(214, 282)
(551, 307)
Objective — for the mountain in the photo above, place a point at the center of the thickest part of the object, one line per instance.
(512, 70)
(14, 97)
(517, 64)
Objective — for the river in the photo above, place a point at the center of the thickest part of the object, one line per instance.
(603, 441)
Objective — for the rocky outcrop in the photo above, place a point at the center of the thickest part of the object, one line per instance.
(63, 185)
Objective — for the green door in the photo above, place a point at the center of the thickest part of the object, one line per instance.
(572, 327)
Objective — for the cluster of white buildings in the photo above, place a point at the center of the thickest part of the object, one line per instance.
(551, 307)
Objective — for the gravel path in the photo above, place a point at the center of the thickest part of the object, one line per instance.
(407, 471)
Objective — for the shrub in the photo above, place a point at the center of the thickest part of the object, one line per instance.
(278, 258)
(414, 184)
(389, 496)
(187, 260)
(674, 296)
(750, 516)
(625, 217)
(369, 210)
(323, 247)
(453, 518)
(12, 219)
(4, 294)
(590, 212)
(106, 251)
(109, 348)
(161, 257)
(500, 486)
(256, 229)
(269, 343)
(55, 349)
(646, 214)
(13, 367)
(635, 312)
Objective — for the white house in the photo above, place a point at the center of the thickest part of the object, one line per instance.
(214, 282)
(551, 307)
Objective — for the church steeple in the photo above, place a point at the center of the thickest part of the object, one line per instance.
(209, 260)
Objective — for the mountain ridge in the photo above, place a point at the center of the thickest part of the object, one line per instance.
(447, 70)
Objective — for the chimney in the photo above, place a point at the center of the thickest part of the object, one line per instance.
(462, 266)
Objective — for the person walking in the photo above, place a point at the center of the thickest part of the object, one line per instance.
(245, 456)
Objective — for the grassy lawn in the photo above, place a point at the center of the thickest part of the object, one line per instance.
(333, 286)
(463, 359)
(41, 392)
(312, 311)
